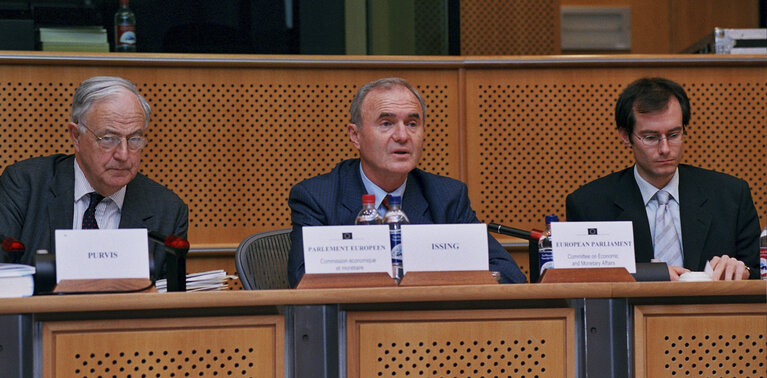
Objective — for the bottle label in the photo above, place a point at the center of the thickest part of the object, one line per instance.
(763, 262)
(545, 260)
(395, 235)
(126, 34)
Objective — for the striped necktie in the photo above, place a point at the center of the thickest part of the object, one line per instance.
(667, 246)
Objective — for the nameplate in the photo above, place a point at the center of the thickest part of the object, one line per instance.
(97, 254)
(444, 247)
(347, 249)
(593, 245)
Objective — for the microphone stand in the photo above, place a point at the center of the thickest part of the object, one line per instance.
(531, 236)
(176, 249)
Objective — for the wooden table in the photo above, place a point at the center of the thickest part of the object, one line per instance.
(619, 329)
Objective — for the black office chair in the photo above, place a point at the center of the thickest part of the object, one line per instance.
(262, 260)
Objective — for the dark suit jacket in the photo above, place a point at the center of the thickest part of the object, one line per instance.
(335, 198)
(37, 197)
(716, 211)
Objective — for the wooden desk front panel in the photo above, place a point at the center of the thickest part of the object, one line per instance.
(218, 346)
(463, 343)
(701, 340)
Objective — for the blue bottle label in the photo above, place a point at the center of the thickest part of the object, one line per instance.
(395, 236)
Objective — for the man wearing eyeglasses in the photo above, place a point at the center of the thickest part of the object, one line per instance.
(97, 187)
(682, 215)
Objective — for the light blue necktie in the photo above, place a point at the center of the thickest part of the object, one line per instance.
(667, 246)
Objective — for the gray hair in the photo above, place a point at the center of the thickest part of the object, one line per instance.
(99, 88)
(355, 111)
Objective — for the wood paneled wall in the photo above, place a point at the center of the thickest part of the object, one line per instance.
(231, 135)
(670, 26)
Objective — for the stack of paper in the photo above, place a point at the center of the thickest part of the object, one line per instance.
(16, 280)
(204, 281)
(74, 38)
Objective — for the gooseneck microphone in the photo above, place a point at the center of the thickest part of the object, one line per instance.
(532, 235)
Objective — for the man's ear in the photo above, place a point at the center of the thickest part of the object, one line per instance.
(74, 134)
(625, 137)
(353, 131)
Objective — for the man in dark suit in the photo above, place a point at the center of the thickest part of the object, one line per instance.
(97, 187)
(702, 216)
(387, 128)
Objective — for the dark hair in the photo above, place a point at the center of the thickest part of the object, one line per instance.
(355, 110)
(649, 95)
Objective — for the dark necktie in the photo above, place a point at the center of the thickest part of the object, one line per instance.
(89, 218)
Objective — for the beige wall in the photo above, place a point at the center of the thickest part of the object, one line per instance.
(670, 26)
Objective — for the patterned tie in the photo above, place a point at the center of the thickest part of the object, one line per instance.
(385, 202)
(89, 218)
(667, 248)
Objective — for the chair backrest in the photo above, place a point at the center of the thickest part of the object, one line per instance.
(262, 260)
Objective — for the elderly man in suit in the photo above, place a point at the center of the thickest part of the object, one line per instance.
(97, 187)
(387, 128)
(681, 215)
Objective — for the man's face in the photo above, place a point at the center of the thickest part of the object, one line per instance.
(390, 138)
(120, 115)
(657, 164)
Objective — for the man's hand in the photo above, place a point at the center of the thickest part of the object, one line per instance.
(728, 268)
(675, 271)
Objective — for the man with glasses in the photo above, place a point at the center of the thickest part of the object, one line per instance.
(681, 215)
(97, 187)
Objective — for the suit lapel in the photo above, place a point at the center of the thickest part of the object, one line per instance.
(630, 206)
(135, 213)
(695, 219)
(351, 189)
(61, 207)
(414, 202)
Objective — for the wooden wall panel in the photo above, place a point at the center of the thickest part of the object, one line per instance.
(230, 142)
(232, 139)
(501, 27)
(670, 26)
(543, 133)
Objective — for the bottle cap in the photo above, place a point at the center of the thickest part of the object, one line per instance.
(368, 198)
(551, 218)
(395, 200)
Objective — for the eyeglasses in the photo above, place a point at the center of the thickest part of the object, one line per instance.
(673, 138)
(109, 142)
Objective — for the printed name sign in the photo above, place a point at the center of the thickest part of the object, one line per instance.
(97, 254)
(444, 247)
(593, 245)
(347, 249)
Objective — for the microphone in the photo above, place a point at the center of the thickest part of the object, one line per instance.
(532, 235)
(13, 247)
(177, 249)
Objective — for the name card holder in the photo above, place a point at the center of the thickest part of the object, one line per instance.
(573, 275)
(345, 280)
(442, 278)
(106, 285)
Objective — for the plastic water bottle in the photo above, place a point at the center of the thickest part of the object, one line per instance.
(763, 253)
(368, 214)
(545, 257)
(125, 28)
(395, 217)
